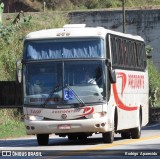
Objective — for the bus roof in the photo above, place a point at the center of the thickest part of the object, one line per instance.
(77, 30)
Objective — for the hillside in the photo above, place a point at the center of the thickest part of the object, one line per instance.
(12, 6)
(63, 5)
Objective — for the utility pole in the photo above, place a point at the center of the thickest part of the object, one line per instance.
(124, 16)
(1, 11)
(44, 6)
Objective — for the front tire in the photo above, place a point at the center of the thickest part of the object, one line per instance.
(108, 137)
(42, 139)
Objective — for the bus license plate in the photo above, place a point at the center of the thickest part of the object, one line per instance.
(64, 127)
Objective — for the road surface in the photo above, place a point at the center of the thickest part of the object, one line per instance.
(148, 146)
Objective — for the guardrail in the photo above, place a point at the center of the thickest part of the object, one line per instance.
(154, 114)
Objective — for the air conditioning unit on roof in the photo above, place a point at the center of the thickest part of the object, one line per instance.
(74, 26)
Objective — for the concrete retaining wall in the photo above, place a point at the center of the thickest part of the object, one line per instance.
(145, 23)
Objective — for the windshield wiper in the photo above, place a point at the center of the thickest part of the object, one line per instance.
(50, 95)
(77, 97)
(55, 89)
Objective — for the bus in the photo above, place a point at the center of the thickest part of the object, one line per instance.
(79, 81)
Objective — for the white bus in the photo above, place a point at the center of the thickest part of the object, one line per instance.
(78, 81)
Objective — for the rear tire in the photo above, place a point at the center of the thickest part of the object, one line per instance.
(42, 139)
(136, 132)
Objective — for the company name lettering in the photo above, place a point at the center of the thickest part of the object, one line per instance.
(136, 81)
(65, 111)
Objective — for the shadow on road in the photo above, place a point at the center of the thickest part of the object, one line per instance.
(52, 142)
(56, 141)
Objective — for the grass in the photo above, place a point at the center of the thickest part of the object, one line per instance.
(11, 124)
(12, 129)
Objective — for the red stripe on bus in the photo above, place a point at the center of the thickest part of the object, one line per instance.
(119, 103)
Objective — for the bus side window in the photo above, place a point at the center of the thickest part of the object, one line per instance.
(114, 51)
(123, 48)
(144, 57)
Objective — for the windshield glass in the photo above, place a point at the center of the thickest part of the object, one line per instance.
(66, 82)
(63, 48)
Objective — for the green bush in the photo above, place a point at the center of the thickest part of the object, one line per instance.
(91, 4)
(154, 84)
(11, 39)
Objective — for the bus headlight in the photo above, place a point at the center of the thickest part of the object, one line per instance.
(33, 117)
(96, 115)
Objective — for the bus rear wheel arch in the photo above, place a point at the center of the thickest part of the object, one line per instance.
(136, 132)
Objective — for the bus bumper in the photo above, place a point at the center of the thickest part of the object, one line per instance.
(68, 126)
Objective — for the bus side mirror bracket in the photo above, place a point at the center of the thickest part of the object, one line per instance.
(112, 74)
(108, 62)
(19, 71)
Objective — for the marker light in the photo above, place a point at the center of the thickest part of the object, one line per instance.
(33, 117)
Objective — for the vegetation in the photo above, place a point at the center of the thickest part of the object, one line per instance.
(11, 36)
(10, 124)
(87, 4)
(154, 84)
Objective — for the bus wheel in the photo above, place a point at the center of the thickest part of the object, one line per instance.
(42, 139)
(136, 132)
(108, 137)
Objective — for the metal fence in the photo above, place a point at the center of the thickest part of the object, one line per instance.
(154, 114)
(10, 94)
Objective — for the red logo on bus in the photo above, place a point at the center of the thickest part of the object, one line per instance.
(118, 101)
(87, 111)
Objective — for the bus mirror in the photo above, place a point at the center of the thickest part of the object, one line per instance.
(19, 71)
(108, 62)
(112, 75)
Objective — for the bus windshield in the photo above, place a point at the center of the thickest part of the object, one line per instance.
(63, 49)
(60, 82)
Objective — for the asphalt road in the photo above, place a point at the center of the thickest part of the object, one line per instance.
(148, 146)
